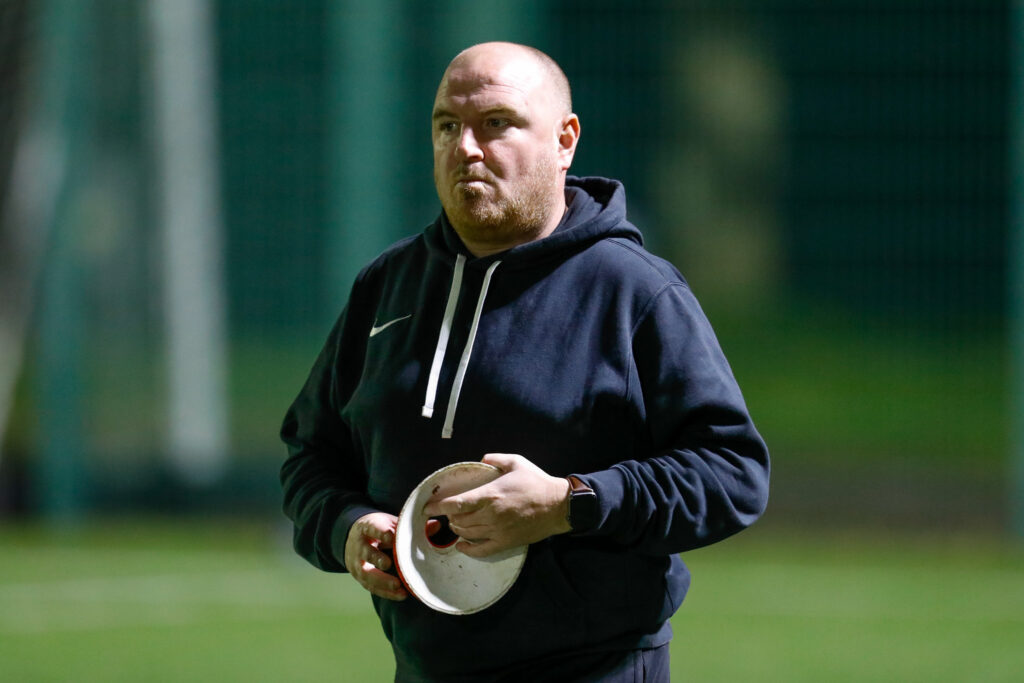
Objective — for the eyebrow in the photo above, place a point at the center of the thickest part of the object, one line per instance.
(500, 109)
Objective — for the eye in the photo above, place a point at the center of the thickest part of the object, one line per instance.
(447, 126)
(497, 122)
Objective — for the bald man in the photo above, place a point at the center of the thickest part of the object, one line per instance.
(526, 327)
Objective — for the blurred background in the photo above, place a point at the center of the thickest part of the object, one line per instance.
(188, 187)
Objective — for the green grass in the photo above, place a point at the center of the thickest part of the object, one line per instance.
(208, 600)
(850, 608)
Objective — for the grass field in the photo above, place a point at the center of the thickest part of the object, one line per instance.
(215, 600)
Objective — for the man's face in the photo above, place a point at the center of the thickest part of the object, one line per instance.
(497, 166)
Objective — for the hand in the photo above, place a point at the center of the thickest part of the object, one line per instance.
(522, 506)
(370, 535)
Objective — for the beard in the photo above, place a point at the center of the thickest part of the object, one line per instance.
(500, 215)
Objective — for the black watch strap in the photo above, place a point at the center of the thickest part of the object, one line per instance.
(584, 510)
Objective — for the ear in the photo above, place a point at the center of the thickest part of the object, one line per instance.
(568, 136)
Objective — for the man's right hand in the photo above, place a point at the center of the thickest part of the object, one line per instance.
(363, 557)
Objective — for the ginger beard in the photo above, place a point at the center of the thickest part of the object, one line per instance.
(498, 212)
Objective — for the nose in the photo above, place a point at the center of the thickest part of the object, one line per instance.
(468, 146)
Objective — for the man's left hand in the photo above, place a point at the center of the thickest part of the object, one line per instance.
(522, 506)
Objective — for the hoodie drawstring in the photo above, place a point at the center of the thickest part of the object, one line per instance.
(442, 346)
(442, 337)
(460, 374)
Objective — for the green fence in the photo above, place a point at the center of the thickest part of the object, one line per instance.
(833, 178)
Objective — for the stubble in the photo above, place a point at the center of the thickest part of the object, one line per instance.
(485, 216)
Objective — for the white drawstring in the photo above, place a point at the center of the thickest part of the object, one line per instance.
(442, 339)
(442, 346)
(460, 374)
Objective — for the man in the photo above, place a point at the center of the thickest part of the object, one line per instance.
(528, 327)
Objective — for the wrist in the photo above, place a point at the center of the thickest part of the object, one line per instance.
(582, 509)
(561, 518)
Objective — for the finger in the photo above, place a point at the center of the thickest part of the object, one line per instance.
(479, 548)
(386, 537)
(433, 526)
(503, 461)
(382, 584)
(468, 529)
(453, 505)
(444, 507)
(372, 572)
(376, 558)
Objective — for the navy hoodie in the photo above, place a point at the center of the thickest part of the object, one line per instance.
(582, 352)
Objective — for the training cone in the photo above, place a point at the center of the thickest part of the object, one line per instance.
(431, 568)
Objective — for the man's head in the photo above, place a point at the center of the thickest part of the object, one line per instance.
(504, 137)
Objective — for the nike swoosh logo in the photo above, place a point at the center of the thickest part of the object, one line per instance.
(377, 329)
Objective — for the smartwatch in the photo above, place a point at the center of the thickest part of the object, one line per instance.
(584, 511)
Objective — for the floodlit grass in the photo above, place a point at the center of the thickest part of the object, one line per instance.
(213, 601)
(811, 608)
(176, 602)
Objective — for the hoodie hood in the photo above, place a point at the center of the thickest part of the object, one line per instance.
(595, 210)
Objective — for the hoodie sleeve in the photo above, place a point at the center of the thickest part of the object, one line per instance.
(323, 479)
(707, 475)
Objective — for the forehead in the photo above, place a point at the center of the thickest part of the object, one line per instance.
(485, 83)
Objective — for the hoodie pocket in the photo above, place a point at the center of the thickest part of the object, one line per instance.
(548, 611)
(540, 616)
(622, 593)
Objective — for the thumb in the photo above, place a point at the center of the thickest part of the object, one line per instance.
(505, 462)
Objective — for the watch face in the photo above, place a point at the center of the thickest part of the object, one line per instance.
(584, 510)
